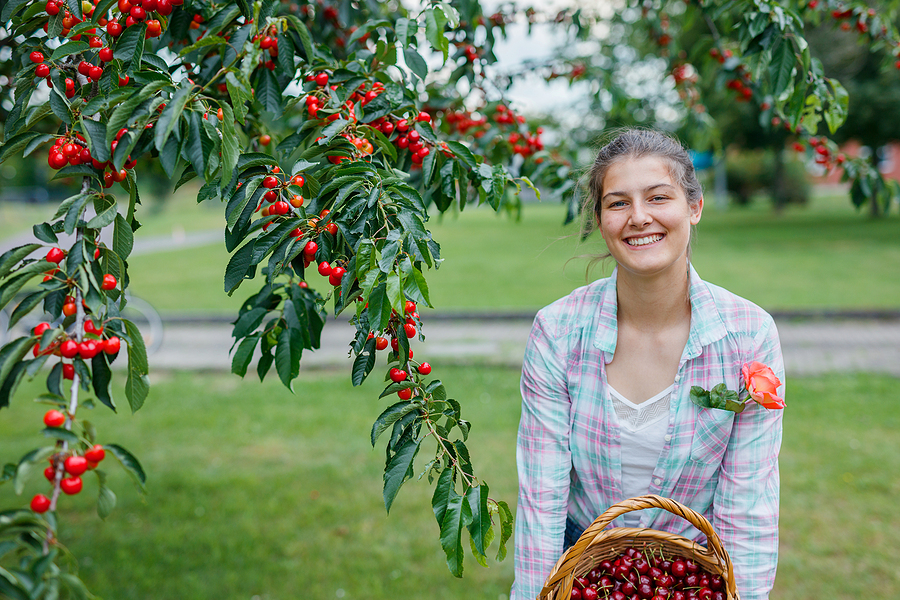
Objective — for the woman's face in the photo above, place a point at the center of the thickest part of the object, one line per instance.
(645, 218)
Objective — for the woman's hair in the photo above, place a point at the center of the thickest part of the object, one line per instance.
(637, 143)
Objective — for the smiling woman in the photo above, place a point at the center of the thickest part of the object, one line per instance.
(607, 377)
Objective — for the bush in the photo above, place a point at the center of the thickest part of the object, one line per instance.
(783, 180)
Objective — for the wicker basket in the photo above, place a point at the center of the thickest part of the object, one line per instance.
(597, 544)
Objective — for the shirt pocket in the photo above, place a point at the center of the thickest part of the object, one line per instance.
(711, 434)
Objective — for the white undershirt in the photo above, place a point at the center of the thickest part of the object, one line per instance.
(642, 434)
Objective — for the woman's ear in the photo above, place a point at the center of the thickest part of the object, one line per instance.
(696, 211)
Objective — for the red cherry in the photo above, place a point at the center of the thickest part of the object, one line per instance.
(310, 249)
(69, 309)
(109, 282)
(381, 343)
(40, 503)
(95, 454)
(410, 330)
(405, 394)
(114, 28)
(164, 7)
(112, 345)
(68, 371)
(322, 79)
(54, 418)
(106, 54)
(36, 57)
(424, 368)
(409, 307)
(52, 8)
(324, 269)
(76, 465)
(337, 274)
(69, 349)
(71, 485)
(123, 80)
(42, 70)
(50, 473)
(397, 375)
(270, 182)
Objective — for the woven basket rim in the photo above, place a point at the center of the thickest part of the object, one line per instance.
(597, 539)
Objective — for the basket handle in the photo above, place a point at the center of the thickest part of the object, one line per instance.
(574, 554)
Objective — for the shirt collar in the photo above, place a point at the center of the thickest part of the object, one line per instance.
(706, 322)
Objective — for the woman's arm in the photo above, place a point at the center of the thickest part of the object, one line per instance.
(745, 507)
(543, 460)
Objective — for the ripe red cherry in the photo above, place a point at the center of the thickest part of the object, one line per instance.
(164, 7)
(52, 8)
(95, 454)
(154, 28)
(337, 274)
(425, 368)
(40, 328)
(40, 503)
(270, 182)
(68, 371)
(69, 349)
(42, 70)
(69, 309)
(589, 593)
(109, 282)
(54, 418)
(89, 327)
(322, 79)
(123, 80)
(57, 160)
(114, 28)
(36, 57)
(95, 73)
(410, 330)
(50, 473)
(76, 465)
(88, 349)
(310, 249)
(71, 485)
(405, 394)
(409, 307)
(397, 375)
(324, 269)
(112, 345)
(380, 343)
(106, 54)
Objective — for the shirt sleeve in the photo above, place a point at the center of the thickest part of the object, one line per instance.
(543, 460)
(745, 509)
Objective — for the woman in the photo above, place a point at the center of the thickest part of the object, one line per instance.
(606, 412)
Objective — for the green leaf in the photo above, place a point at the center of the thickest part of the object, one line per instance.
(212, 40)
(457, 516)
(415, 62)
(379, 307)
(244, 355)
(391, 415)
(104, 218)
(477, 498)
(363, 363)
(127, 43)
(463, 153)
(123, 238)
(45, 233)
(11, 257)
(59, 433)
(506, 528)
(131, 464)
(68, 49)
(106, 498)
(16, 143)
(238, 266)
(26, 306)
(101, 380)
(287, 356)
(137, 385)
(399, 468)
(230, 147)
(782, 66)
(171, 115)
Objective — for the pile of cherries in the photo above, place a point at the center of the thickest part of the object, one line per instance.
(649, 575)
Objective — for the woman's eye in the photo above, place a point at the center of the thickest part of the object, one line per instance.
(617, 204)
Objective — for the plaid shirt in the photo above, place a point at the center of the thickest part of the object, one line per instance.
(722, 465)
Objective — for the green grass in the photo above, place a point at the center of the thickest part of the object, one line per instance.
(257, 492)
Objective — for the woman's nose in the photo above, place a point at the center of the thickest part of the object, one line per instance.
(640, 216)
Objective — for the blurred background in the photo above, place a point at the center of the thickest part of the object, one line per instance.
(259, 493)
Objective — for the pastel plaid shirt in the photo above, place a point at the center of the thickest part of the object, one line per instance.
(723, 465)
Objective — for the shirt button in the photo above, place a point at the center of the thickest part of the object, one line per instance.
(667, 437)
(657, 481)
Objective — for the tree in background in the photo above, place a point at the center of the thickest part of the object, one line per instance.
(330, 132)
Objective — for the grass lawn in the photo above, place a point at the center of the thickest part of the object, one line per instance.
(254, 492)
(824, 256)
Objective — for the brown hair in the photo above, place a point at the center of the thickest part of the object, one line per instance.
(637, 143)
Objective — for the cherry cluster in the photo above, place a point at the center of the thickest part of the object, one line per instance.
(824, 152)
(650, 575)
(67, 466)
(267, 41)
(67, 347)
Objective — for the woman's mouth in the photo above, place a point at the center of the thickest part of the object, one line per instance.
(643, 241)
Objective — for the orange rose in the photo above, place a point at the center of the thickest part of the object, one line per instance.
(762, 384)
